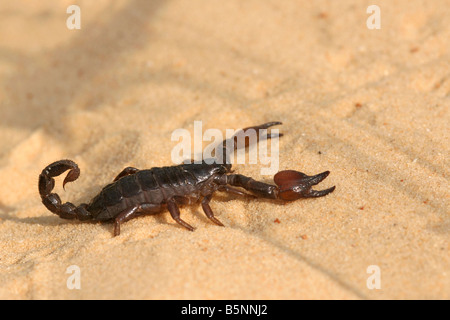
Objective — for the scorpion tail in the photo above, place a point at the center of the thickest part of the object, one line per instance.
(243, 138)
(51, 200)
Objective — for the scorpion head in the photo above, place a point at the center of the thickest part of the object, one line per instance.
(294, 185)
(216, 165)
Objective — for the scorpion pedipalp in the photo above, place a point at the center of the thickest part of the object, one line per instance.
(242, 136)
(294, 185)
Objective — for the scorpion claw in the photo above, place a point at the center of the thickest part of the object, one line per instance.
(313, 180)
(315, 193)
(263, 127)
(293, 185)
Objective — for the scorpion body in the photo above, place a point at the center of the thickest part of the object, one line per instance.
(137, 192)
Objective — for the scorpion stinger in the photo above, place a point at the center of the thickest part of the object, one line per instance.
(51, 200)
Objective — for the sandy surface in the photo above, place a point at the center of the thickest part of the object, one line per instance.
(371, 106)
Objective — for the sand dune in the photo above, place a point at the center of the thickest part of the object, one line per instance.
(371, 106)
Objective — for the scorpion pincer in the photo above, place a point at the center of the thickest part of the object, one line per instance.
(137, 192)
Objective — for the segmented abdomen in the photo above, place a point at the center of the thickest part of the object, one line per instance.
(153, 186)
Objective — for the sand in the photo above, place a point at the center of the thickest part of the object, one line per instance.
(371, 106)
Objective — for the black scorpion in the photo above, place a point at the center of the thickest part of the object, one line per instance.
(137, 192)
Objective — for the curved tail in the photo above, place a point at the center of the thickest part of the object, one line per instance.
(51, 200)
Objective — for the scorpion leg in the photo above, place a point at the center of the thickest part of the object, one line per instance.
(133, 212)
(125, 172)
(124, 216)
(175, 213)
(208, 211)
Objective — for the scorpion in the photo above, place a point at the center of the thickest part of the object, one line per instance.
(137, 192)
